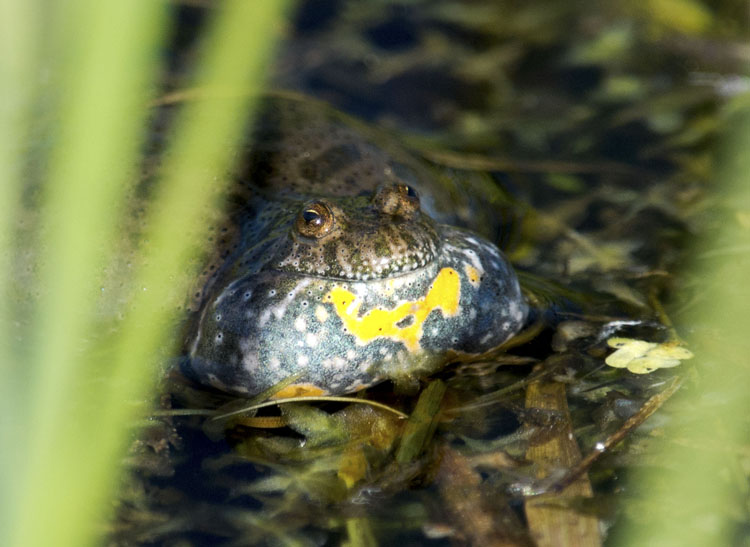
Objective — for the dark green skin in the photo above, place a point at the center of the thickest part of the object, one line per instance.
(267, 311)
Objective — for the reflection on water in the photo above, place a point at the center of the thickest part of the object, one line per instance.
(597, 120)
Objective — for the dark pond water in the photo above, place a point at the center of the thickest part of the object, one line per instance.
(596, 122)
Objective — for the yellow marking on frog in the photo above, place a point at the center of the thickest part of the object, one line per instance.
(473, 274)
(444, 295)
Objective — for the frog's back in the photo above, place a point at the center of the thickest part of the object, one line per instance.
(303, 147)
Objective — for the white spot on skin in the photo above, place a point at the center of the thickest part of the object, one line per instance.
(515, 311)
(475, 261)
(350, 354)
(302, 360)
(311, 340)
(250, 362)
(279, 311)
(300, 324)
(321, 314)
(215, 382)
(240, 389)
(264, 317)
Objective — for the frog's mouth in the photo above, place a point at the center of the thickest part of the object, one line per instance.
(374, 274)
(367, 262)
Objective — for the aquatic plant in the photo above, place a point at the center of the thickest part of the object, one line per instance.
(697, 493)
(76, 80)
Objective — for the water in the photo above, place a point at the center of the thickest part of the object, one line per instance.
(599, 120)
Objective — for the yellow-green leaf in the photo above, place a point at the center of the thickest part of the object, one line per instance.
(641, 357)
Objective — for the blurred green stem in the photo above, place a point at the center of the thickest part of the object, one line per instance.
(82, 400)
(695, 499)
(18, 60)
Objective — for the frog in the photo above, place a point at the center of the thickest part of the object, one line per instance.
(349, 263)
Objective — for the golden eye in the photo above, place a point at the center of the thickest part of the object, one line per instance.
(397, 199)
(315, 220)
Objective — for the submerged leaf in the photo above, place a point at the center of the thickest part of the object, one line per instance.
(422, 423)
(318, 427)
(352, 466)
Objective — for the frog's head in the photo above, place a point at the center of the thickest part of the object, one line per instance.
(349, 292)
(357, 239)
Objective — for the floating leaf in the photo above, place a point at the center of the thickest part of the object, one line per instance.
(641, 357)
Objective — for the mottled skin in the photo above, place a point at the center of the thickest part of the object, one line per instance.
(337, 273)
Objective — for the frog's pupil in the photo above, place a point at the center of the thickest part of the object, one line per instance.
(311, 216)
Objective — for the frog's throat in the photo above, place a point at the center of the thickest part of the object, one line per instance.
(444, 294)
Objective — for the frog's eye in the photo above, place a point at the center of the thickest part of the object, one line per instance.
(408, 191)
(397, 199)
(314, 220)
